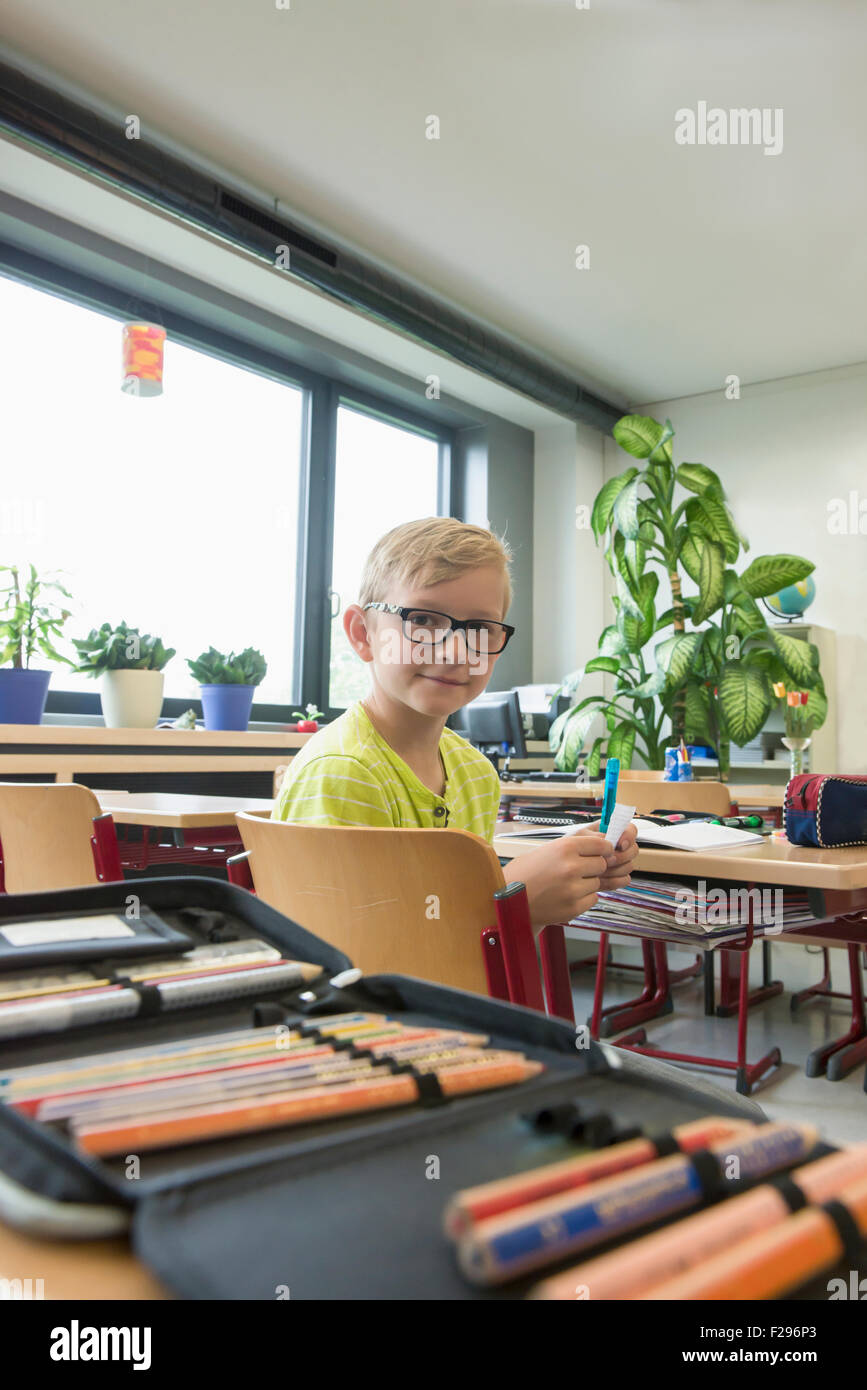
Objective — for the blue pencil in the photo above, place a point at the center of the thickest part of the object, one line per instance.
(538, 1234)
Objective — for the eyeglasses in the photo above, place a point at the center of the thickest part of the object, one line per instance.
(420, 625)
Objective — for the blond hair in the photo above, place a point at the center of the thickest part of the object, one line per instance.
(431, 551)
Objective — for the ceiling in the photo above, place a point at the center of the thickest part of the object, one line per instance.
(556, 129)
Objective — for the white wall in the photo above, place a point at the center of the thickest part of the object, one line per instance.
(784, 451)
(567, 565)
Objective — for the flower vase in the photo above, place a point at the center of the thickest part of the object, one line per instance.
(797, 748)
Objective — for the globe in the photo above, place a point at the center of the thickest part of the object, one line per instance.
(792, 601)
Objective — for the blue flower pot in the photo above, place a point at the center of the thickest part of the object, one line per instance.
(227, 706)
(22, 696)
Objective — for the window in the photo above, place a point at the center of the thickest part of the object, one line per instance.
(177, 514)
(384, 475)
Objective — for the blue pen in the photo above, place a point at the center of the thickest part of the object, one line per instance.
(612, 775)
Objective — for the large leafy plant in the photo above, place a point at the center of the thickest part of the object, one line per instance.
(31, 618)
(217, 668)
(709, 676)
(120, 648)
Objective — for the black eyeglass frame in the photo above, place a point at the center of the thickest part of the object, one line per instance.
(454, 624)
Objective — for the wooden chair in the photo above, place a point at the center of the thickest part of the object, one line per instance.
(429, 903)
(54, 835)
(713, 798)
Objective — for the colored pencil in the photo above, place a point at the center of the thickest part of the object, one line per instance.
(771, 1263)
(633, 1269)
(505, 1194)
(242, 1117)
(193, 1089)
(535, 1235)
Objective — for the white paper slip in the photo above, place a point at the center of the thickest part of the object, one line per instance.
(621, 817)
(78, 929)
(695, 835)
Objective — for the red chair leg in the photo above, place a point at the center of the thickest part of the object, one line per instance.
(555, 972)
(841, 1056)
(106, 854)
(519, 946)
(654, 1000)
(239, 871)
(821, 990)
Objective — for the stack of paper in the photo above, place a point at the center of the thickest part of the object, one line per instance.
(668, 909)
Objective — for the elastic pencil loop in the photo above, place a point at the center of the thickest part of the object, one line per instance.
(665, 1144)
(560, 1119)
(847, 1228)
(150, 999)
(708, 1170)
(793, 1196)
(430, 1092)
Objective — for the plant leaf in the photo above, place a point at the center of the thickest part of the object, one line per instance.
(709, 513)
(744, 700)
(577, 727)
(621, 743)
(691, 550)
(625, 515)
(605, 499)
(653, 685)
(711, 582)
(769, 573)
(696, 478)
(594, 757)
(639, 435)
(603, 663)
(801, 659)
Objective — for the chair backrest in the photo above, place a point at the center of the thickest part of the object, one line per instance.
(45, 831)
(411, 902)
(711, 797)
(641, 775)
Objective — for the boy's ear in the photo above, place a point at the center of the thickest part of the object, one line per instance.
(355, 627)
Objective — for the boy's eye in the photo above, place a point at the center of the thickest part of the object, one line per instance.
(426, 624)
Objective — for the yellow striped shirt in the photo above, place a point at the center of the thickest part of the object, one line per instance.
(347, 774)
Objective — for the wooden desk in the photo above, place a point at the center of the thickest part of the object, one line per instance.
(81, 1269)
(836, 880)
(773, 861)
(177, 811)
(746, 795)
(60, 752)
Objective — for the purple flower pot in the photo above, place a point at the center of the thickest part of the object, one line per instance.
(227, 706)
(23, 695)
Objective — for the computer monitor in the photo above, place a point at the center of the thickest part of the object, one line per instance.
(494, 724)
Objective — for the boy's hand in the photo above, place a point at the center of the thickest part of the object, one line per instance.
(564, 877)
(618, 873)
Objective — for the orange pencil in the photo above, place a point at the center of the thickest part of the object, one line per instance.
(504, 1194)
(631, 1270)
(242, 1116)
(771, 1263)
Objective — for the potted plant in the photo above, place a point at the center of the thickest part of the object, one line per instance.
(31, 620)
(130, 664)
(228, 684)
(707, 665)
(307, 722)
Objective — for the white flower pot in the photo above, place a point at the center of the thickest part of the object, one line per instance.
(131, 699)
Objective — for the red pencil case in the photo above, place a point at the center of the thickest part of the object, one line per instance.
(825, 812)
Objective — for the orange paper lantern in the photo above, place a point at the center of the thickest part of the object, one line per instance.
(142, 346)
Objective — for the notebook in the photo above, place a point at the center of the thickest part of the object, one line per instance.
(697, 835)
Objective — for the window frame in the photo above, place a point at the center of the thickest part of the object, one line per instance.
(323, 395)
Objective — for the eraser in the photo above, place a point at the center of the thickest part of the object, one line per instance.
(621, 817)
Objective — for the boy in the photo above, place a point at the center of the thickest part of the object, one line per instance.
(429, 623)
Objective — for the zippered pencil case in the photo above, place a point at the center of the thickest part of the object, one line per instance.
(826, 812)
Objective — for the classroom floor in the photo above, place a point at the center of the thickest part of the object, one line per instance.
(838, 1107)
